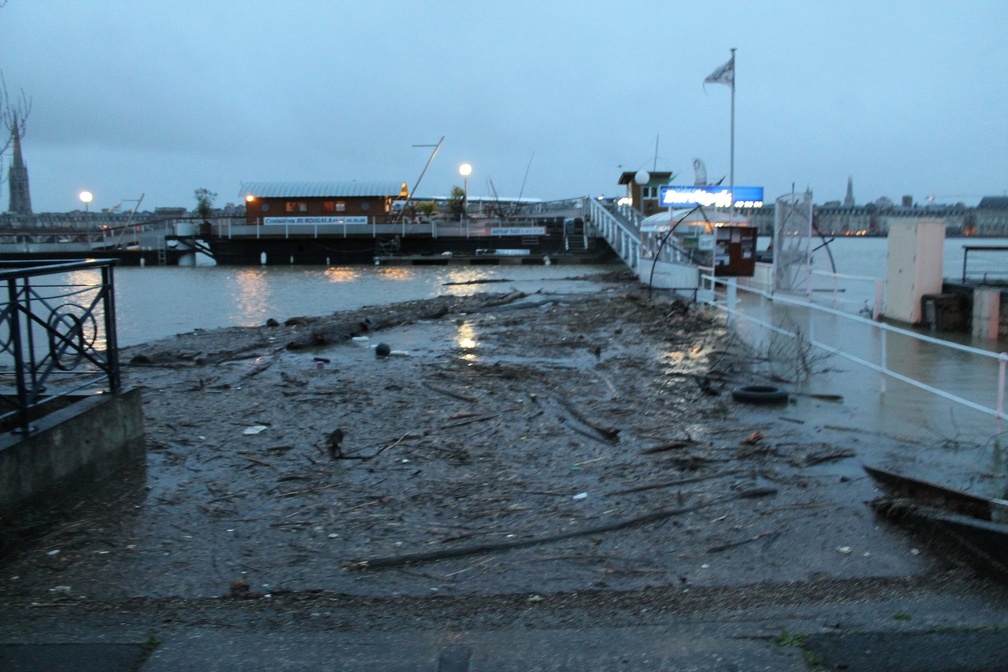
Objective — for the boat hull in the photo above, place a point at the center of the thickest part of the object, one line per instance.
(368, 250)
(124, 257)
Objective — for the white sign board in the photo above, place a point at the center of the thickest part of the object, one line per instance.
(316, 220)
(518, 231)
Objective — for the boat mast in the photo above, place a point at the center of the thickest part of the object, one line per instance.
(410, 192)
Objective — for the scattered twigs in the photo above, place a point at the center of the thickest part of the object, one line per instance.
(379, 452)
(504, 546)
(309, 491)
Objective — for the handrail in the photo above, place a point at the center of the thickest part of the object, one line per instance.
(1002, 358)
(624, 240)
(61, 336)
(596, 209)
(877, 310)
(1001, 275)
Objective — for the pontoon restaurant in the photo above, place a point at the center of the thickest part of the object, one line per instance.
(352, 202)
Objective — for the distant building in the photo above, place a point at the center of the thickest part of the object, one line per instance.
(848, 200)
(992, 216)
(958, 218)
(644, 197)
(171, 212)
(319, 202)
(835, 219)
(20, 196)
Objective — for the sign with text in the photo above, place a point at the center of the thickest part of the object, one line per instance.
(672, 196)
(316, 220)
(518, 231)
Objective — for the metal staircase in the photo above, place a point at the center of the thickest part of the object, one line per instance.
(620, 226)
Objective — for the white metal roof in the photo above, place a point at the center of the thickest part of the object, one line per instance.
(319, 189)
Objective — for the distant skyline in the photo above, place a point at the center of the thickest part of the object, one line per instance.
(156, 98)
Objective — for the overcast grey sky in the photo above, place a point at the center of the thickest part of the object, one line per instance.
(160, 97)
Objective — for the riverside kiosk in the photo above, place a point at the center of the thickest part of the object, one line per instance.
(734, 253)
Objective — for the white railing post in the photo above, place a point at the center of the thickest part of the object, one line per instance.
(732, 299)
(1002, 360)
(877, 310)
(883, 367)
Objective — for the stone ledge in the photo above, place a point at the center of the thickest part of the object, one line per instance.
(80, 444)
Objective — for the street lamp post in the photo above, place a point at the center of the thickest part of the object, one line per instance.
(86, 197)
(465, 170)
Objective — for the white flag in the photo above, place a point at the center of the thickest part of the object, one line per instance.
(723, 75)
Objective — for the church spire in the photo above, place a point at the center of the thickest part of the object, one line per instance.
(848, 200)
(17, 177)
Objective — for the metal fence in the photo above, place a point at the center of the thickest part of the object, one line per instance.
(57, 336)
(988, 267)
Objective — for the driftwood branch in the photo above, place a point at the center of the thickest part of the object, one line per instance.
(608, 434)
(743, 542)
(669, 484)
(449, 393)
(504, 546)
(672, 445)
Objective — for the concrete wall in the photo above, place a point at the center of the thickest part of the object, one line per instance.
(668, 275)
(82, 443)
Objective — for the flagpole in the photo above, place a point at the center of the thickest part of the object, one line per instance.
(731, 161)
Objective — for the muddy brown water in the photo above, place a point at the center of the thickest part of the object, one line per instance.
(552, 444)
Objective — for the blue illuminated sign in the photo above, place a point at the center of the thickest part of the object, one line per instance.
(672, 196)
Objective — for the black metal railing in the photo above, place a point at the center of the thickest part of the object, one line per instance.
(57, 336)
(988, 269)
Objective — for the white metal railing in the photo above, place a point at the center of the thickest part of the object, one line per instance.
(831, 287)
(623, 239)
(730, 306)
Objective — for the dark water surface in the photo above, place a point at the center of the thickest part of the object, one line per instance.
(154, 303)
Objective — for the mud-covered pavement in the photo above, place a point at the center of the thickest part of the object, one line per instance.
(510, 450)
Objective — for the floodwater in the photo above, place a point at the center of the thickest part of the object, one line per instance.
(155, 303)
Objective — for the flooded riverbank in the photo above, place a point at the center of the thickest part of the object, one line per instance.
(508, 443)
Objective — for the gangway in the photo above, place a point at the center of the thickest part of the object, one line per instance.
(619, 228)
(658, 259)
